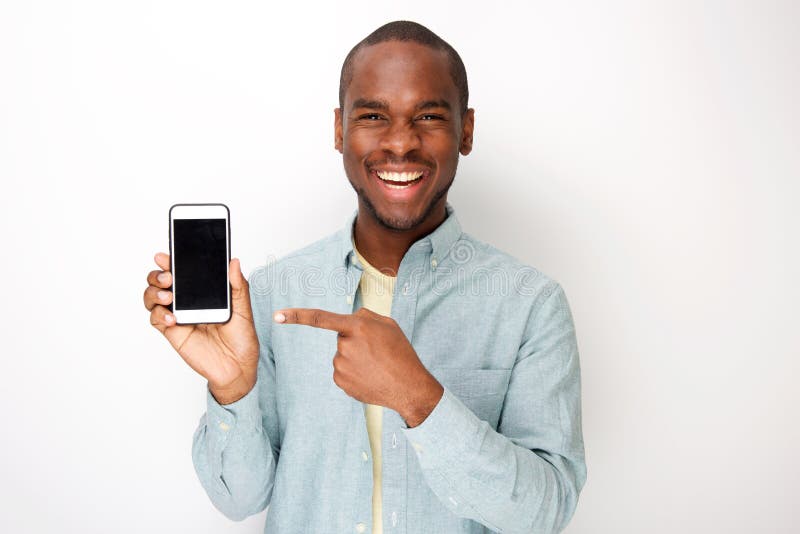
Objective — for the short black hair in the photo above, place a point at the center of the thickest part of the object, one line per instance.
(405, 30)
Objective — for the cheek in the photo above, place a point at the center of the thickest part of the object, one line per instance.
(354, 152)
(361, 138)
(443, 144)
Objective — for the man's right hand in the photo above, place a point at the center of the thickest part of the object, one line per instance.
(225, 354)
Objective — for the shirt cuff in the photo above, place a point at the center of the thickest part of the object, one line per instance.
(449, 431)
(241, 414)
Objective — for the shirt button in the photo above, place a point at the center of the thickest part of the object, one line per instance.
(349, 299)
(224, 427)
(394, 441)
(364, 456)
(433, 263)
(405, 289)
(394, 519)
(361, 527)
(417, 446)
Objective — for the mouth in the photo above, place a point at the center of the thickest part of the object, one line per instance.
(400, 181)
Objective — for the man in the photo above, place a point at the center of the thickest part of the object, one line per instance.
(398, 375)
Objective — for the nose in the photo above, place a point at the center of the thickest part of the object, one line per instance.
(401, 138)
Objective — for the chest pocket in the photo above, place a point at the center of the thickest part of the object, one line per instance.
(481, 390)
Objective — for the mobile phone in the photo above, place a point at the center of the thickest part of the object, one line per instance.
(200, 253)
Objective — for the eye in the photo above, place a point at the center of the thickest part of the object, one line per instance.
(370, 117)
(430, 117)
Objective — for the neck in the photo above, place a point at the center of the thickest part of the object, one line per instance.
(384, 248)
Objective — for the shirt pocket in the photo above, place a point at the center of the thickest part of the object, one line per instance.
(481, 390)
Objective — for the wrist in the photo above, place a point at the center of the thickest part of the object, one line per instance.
(422, 404)
(232, 392)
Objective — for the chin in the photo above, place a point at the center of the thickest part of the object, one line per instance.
(400, 222)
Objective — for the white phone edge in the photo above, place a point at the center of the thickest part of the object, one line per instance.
(201, 211)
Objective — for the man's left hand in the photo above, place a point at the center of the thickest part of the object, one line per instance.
(374, 361)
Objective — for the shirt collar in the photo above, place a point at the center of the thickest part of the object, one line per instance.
(438, 242)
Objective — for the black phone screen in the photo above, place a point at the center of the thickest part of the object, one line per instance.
(201, 264)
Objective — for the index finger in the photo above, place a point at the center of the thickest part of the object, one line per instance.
(341, 322)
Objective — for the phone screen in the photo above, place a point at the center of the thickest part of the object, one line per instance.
(201, 264)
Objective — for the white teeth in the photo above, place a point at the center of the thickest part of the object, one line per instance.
(399, 176)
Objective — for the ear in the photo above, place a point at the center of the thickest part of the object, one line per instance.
(337, 129)
(467, 127)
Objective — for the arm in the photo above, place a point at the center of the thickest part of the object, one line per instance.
(236, 446)
(524, 478)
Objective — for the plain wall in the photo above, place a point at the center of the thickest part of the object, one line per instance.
(643, 154)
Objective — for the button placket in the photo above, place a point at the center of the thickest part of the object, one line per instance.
(395, 461)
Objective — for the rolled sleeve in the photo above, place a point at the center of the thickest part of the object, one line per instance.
(448, 430)
(244, 413)
(222, 422)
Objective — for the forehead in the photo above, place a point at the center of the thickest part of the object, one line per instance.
(401, 73)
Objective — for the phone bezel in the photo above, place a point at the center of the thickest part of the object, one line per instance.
(200, 211)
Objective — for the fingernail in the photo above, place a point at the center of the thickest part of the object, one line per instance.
(279, 317)
(162, 295)
(162, 278)
(169, 318)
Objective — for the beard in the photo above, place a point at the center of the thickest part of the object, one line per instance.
(405, 223)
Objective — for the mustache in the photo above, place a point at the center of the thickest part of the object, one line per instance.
(410, 159)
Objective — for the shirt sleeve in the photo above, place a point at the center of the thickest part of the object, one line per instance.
(526, 476)
(236, 446)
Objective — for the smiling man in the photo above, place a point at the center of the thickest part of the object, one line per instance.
(398, 375)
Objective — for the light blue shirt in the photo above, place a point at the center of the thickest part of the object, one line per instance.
(502, 450)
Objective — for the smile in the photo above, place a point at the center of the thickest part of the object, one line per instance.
(400, 180)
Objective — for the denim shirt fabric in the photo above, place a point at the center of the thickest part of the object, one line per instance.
(502, 451)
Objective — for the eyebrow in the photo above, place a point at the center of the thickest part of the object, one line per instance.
(430, 104)
(370, 104)
(364, 103)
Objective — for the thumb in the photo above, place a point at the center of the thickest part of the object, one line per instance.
(240, 289)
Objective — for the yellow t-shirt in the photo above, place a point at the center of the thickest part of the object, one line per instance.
(376, 295)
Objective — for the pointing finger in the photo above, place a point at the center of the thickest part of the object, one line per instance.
(317, 318)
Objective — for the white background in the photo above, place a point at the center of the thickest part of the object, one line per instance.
(644, 154)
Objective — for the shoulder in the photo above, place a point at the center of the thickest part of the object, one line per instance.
(315, 253)
(479, 259)
(530, 298)
(320, 254)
